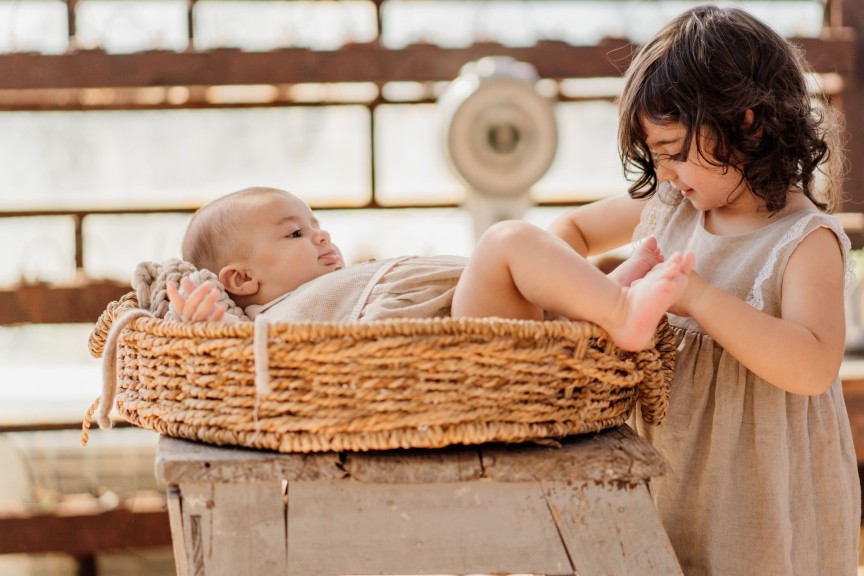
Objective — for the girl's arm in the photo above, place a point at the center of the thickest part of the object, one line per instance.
(600, 226)
(801, 351)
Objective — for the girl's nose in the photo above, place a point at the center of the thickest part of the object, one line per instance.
(322, 236)
(663, 171)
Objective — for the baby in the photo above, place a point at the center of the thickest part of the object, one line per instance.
(272, 257)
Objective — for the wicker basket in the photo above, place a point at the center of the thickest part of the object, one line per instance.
(418, 383)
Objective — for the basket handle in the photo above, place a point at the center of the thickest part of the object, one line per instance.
(109, 372)
(100, 332)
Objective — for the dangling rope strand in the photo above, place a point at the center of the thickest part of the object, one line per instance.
(109, 373)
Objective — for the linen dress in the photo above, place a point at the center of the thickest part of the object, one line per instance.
(407, 287)
(759, 481)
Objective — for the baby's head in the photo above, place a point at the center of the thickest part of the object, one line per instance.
(738, 89)
(261, 243)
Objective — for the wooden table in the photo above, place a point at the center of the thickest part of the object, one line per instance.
(581, 508)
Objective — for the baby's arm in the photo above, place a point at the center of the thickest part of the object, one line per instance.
(801, 351)
(200, 304)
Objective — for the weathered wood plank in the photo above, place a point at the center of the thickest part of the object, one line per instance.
(455, 464)
(611, 531)
(454, 528)
(249, 528)
(615, 455)
(181, 461)
(178, 541)
(197, 502)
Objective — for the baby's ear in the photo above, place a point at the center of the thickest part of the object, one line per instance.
(238, 282)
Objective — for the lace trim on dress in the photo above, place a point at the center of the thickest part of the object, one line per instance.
(795, 233)
(851, 279)
(647, 223)
(655, 214)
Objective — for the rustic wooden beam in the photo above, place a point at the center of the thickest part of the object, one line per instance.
(51, 304)
(833, 52)
(353, 63)
(86, 528)
(356, 63)
(45, 426)
(853, 95)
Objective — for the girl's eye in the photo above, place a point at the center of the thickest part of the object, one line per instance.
(679, 157)
(296, 234)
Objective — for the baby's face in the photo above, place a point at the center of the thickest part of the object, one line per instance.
(285, 245)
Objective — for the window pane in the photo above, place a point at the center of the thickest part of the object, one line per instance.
(586, 165)
(182, 156)
(33, 26)
(410, 164)
(42, 249)
(268, 25)
(579, 23)
(114, 245)
(132, 25)
(399, 232)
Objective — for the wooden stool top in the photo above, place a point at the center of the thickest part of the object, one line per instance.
(614, 455)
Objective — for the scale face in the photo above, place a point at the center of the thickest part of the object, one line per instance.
(500, 136)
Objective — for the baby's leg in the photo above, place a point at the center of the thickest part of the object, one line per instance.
(646, 256)
(519, 270)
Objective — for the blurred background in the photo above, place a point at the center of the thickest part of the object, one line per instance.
(119, 117)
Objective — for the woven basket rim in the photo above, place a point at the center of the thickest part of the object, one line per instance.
(291, 331)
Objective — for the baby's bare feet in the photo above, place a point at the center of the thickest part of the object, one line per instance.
(642, 261)
(649, 299)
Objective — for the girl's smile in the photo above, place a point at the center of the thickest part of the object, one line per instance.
(695, 175)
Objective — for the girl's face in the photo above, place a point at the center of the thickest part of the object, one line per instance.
(705, 185)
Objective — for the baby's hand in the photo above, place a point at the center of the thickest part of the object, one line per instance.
(200, 305)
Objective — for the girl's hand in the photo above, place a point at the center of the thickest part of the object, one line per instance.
(200, 305)
(695, 288)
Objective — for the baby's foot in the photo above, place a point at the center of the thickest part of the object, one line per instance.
(647, 256)
(649, 299)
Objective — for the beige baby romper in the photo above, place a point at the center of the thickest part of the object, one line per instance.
(408, 287)
(759, 481)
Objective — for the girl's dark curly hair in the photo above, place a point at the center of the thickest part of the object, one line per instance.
(705, 70)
